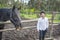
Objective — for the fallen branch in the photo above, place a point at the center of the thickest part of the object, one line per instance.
(8, 22)
(9, 29)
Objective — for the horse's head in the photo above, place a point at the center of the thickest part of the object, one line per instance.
(15, 9)
(15, 18)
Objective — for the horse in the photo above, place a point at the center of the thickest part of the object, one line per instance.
(11, 14)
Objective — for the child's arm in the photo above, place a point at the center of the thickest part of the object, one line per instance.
(47, 23)
(38, 25)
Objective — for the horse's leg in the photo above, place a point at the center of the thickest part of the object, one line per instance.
(16, 21)
(18, 27)
(1, 27)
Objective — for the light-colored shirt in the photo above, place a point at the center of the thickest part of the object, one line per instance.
(42, 23)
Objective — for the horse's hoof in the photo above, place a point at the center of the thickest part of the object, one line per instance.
(18, 29)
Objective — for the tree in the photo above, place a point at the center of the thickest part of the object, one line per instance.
(54, 5)
(47, 5)
(31, 4)
(9, 3)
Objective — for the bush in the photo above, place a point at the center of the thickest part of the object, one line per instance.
(59, 17)
(27, 16)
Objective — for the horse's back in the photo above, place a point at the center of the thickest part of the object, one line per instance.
(4, 10)
(4, 14)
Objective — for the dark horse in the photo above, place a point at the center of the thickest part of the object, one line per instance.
(11, 14)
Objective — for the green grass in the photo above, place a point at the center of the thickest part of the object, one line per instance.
(34, 16)
(27, 16)
(56, 21)
(57, 16)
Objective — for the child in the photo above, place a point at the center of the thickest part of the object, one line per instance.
(42, 25)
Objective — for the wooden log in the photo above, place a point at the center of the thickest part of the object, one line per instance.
(9, 29)
(47, 39)
(8, 22)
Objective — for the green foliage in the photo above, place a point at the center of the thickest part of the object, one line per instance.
(34, 16)
(9, 3)
(59, 17)
(47, 5)
(27, 16)
(28, 11)
(53, 5)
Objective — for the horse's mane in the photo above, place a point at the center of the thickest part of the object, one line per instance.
(13, 8)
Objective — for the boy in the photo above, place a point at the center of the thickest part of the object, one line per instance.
(42, 25)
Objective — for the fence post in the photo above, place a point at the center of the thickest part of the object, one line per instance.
(51, 31)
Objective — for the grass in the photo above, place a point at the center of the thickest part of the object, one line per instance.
(34, 16)
(29, 16)
(57, 16)
(56, 21)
